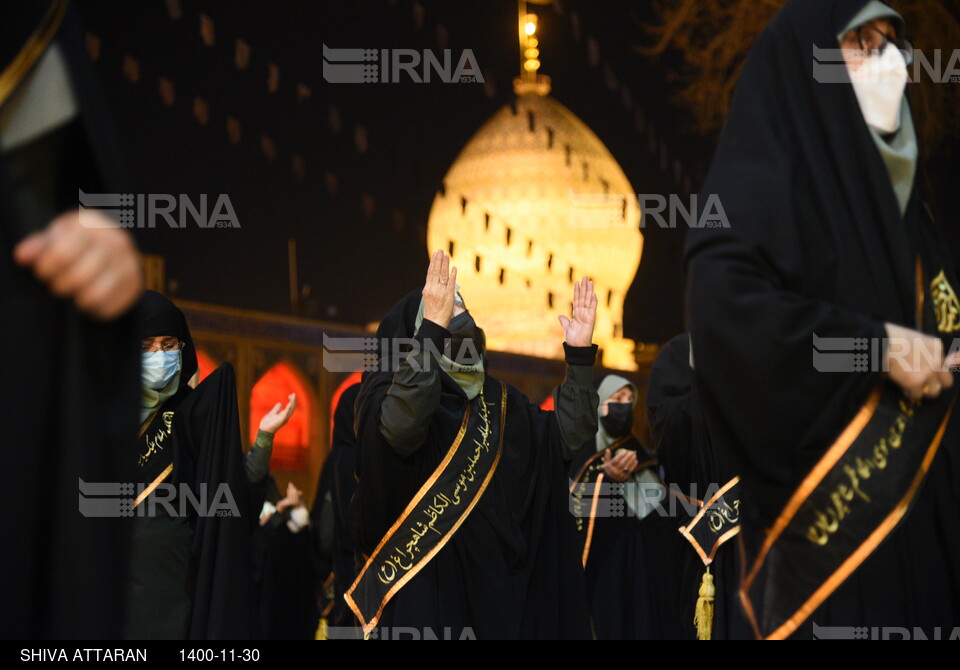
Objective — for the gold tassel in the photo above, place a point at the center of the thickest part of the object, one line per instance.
(323, 633)
(703, 617)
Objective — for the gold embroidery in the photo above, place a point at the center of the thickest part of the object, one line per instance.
(155, 443)
(827, 521)
(717, 516)
(580, 488)
(724, 515)
(402, 560)
(399, 558)
(945, 304)
(806, 488)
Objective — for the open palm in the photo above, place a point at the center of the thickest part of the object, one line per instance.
(579, 326)
(277, 417)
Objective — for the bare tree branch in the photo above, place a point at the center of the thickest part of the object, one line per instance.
(713, 38)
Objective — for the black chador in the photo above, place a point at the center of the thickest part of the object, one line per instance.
(463, 522)
(191, 574)
(851, 491)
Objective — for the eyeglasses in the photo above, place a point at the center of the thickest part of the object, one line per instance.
(873, 41)
(170, 345)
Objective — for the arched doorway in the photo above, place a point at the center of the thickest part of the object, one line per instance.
(290, 444)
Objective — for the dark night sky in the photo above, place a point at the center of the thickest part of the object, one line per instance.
(358, 263)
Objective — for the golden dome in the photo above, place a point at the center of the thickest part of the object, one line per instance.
(533, 202)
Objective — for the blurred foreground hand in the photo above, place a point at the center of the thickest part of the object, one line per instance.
(88, 258)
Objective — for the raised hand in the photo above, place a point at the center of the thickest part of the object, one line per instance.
(277, 418)
(439, 290)
(579, 328)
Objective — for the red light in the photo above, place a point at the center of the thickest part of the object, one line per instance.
(290, 442)
(206, 364)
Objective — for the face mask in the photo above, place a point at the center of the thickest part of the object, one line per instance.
(158, 368)
(466, 347)
(879, 83)
(619, 419)
(460, 322)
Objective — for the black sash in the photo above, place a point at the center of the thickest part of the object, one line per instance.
(585, 498)
(717, 521)
(845, 507)
(436, 512)
(155, 449)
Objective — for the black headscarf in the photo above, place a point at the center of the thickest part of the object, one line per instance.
(398, 324)
(207, 453)
(159, 317)
(815, 245)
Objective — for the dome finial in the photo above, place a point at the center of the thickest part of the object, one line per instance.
(530, 80)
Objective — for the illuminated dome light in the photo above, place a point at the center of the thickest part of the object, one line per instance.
(533, 202)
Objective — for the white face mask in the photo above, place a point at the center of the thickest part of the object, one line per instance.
(879, 83)
(158, 368)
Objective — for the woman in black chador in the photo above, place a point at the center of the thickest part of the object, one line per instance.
(819, 315)
(330, 543)
(461, 515)
(628, 544)
(191, 568)
(68, 281)
(698, 472)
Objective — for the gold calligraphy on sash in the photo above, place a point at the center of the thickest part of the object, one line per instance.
(873, 472)
(588, 472)
(401, 559)
(590, 482)
(722, 515)
(946, 306)
(155, 442)
(436, 512)
(858, 470)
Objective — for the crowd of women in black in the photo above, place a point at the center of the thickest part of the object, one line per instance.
(778, 496)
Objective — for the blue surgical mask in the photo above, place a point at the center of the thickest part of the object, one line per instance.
(158, 367)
